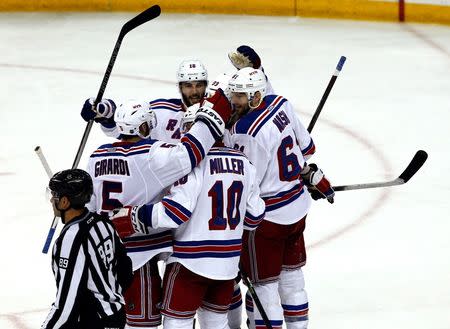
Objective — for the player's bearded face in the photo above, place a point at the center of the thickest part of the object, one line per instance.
(240, 104)
(192, 92)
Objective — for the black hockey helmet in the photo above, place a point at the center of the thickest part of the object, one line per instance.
(75, 184)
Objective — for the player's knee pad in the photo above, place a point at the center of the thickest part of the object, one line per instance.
(235, 310)
(294, 299)
(291, 281)
(270, 300)
(175, 323)
(212, 320)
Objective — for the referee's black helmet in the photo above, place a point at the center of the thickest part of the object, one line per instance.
(75, 184)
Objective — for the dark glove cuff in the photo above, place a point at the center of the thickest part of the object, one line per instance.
(107, 123)
(214, 132)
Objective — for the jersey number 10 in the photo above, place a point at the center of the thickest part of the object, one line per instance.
(220, 199)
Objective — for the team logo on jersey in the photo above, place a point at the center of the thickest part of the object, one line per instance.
(63, 262)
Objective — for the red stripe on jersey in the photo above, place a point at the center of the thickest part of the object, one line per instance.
(175, 211)
(283, 198)
(255, 125)
(194, 148)
(207, 248)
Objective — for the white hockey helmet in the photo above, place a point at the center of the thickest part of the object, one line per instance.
(248, 80)
(131, 114)
(192, 70)
(221, 81)
(188, 118)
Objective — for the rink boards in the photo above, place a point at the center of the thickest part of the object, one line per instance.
(426, 11)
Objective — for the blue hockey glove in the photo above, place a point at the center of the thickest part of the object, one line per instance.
(103, 113)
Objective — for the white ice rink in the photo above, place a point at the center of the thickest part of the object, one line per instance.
(377, 258)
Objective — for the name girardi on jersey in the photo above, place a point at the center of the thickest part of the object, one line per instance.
(111, 167)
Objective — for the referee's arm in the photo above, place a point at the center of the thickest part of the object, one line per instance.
(69, 263)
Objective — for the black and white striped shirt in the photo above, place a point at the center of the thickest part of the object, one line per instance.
(90, 265)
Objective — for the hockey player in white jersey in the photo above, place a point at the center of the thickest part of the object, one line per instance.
(192, 79)
(137, 170)
(268, 131)
(209, 210)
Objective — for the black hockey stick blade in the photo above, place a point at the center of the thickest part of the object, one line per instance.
(140, 19)
(416, 163)
(145, 16)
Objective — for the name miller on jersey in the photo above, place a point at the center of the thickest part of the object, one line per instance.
(111, 167)
(226, 165)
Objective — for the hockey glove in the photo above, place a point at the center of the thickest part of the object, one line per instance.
(130, 220)
(244, 56)
(103, 113)
(215, 112)
(318, 186)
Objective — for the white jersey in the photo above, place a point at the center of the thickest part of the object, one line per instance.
(209, 209)
(168, 114)
(137, 173)
(276, 142)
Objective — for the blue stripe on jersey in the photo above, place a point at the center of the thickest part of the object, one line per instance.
(308, 148)
(295, 307)
(226, 154)
(179, 207)
(283, 198)
(145, 214)
(207, 248)
(191, 154)
(268, 117)
(197, 143)
(207, 254)
(175, 211)
(149, 247)
(173, 104)
(123, 149)
(116, 154)
(195, 149)
(138, 238)
(127, 145)
(245, 123)
(235, 305)
(251, 221)
(148, 242)
(272, 322)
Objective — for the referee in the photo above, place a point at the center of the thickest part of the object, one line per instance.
(89, 261)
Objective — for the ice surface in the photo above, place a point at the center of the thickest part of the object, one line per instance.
(377, 258)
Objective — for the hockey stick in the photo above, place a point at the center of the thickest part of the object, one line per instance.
(255, 297)
(416, 163)
(44, 162)
(326, 93)
(49, 172)
(145, 16)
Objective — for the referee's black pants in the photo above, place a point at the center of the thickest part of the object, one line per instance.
(115, 321)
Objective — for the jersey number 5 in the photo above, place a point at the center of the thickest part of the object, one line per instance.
(218, 203)
(108, 203)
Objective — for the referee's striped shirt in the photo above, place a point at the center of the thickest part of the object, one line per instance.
(85, 264)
